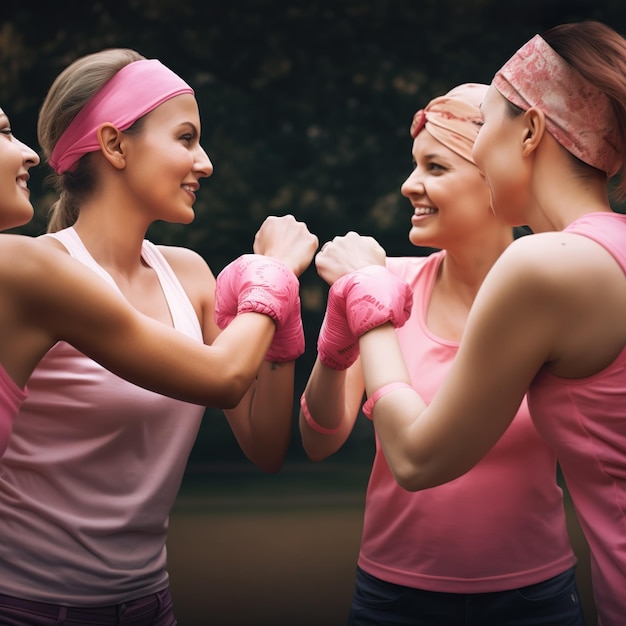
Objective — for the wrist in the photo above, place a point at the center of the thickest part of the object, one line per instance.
(368, 407)
(308, 418)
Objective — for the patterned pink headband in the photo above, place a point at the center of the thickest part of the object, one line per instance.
(454, 119)
(578, 115)
(135, 90)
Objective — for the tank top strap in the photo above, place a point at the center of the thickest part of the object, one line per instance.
(181, 308)
(605, 228)
(183, 314)
(76, 249)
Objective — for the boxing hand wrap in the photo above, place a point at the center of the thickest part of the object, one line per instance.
(337, 347)
(288, 342)
(254, 283)
(373, 296)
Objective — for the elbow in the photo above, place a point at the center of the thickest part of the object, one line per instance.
(231, 398)
(271, 468)
(412, 477)
(316, 456)
(270, 465)
(233, 388)
(408, 482)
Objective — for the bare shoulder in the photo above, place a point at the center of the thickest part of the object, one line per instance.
(183, 259)
(21, 259)
(556, 261)
(194, 274)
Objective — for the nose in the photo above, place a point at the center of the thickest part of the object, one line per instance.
(203, 165)
(413, 184)
(31, 158)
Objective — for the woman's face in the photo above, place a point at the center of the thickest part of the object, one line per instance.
(447, 192)
(16, 159)
(498, 156)
(165, 161)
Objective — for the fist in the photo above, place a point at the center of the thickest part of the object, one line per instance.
(287, 240)
(345, 254)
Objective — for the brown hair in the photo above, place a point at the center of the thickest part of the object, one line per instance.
(69, 93)
(598, 53)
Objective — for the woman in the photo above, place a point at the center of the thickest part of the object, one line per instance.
(549, 316)
(94, 463)
(492, 546)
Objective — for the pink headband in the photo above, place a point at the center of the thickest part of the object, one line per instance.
(453, 119)
(578, 115)
(135, 90)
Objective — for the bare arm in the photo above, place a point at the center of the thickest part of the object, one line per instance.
(262, 421)
(514, 328)
(55, 298)
(534, 310)
(333, 398)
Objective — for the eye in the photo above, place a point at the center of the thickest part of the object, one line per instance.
(436, 167)
(6, 131)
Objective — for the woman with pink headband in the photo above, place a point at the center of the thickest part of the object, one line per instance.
(94, 462)
(491, 547)
(549, 318)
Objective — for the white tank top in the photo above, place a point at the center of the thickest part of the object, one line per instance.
(92, 469)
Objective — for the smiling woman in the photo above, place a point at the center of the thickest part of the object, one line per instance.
(94, 462)
(493, 543)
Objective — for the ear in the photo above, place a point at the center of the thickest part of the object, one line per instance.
(110, 140)
(534, 127)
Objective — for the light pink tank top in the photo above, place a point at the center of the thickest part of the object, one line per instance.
(92, 470)
(584, 419)
(500, 526)
(11, 397)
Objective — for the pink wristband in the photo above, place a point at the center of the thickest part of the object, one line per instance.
(368, 407)
(312, 423)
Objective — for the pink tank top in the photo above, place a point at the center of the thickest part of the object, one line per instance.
(584, 419)
(11, 397)
(92, 470)
(500, 526)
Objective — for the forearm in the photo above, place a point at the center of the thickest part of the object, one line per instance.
(262, 421)
(394, 413)
(332, 399)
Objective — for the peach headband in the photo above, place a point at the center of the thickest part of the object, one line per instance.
(578, 115)
(454, 119)
(135, 90)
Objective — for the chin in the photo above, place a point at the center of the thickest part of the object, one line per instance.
(182, 218)
(416, 238)
(15, 220)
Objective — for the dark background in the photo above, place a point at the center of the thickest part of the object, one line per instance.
(305, 109)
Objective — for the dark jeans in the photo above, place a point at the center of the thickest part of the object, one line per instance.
(554, 602)
(153, 610)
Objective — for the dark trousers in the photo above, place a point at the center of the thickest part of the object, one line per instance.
(554, 602)
(152, 610)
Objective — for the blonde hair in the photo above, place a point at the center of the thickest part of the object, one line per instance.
(69, 93)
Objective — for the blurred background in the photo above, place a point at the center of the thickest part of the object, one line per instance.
(305, 109)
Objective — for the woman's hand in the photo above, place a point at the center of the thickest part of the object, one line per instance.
(344, 254)
(288, 240)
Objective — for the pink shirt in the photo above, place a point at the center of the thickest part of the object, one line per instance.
(11, 397)
(500, 526)
(92, 470)
(585, 420)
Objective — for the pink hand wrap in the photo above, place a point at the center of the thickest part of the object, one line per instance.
(254, 283)
(337, 347)
(357, 302)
